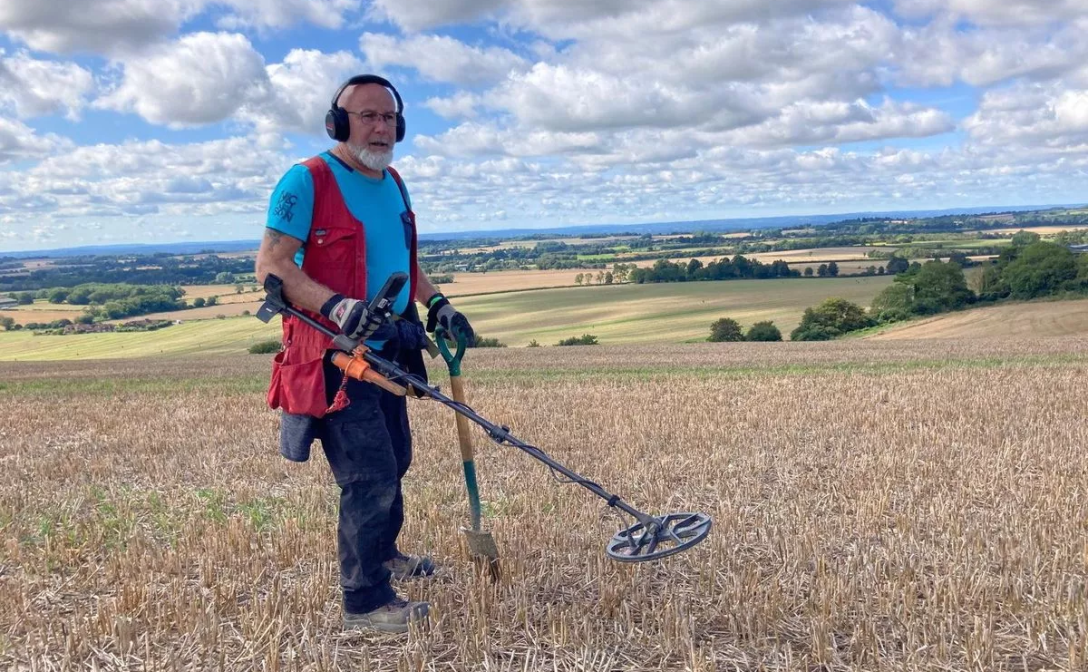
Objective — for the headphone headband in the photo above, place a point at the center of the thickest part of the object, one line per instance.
(336, 120)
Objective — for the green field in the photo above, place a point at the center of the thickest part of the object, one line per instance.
(669, 312)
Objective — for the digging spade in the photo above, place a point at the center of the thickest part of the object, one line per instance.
(481, 545)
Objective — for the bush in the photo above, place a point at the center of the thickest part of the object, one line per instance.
(831, 319)
(725, 330)
(265, 347)
(584, 339)
(199, 302)
(763, 331)
(485, 342)
(533, 344)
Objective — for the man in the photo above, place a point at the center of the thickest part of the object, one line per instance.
(339, 224)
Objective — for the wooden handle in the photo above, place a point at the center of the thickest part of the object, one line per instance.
(463, 436)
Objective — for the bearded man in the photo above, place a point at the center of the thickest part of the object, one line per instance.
(339, 224)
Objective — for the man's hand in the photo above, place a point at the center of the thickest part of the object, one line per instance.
(444, 314)
(353, 317)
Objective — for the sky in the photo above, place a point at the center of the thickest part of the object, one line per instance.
(151, 121)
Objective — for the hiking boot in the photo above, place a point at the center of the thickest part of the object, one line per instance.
(393, 617)
(407, 566)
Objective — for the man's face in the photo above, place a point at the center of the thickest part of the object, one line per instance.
(371, 113)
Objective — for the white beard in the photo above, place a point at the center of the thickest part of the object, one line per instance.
(378, 161)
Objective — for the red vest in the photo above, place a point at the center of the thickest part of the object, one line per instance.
(336, 258)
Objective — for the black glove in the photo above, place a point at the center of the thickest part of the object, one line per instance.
(442, 313)
(401, 335)
(352, 316)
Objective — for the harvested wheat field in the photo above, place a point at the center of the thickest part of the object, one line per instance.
(1023, 320)
(877, 506)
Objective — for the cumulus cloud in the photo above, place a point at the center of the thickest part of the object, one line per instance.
(100, 26)
(299, 91)
(200, 78)
(18, 141)
(33, 87)
(283, 13)
(997, 12)
(441, 59)
(1043, 117)
(117, 27)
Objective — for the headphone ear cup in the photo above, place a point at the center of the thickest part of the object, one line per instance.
(337, 125)
(400, 127)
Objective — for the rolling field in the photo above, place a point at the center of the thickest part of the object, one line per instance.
(877, 506)
(1024, 320)
(668, 313)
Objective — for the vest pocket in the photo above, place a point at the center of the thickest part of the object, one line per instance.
(293, 387)
(336, 251)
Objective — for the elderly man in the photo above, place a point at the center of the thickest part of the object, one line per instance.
(339, 224)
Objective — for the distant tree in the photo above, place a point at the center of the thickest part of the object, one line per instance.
(25, 298)
(58, 295)
(608, 277)
(808, 271)
(212, 300)
(578, 279)
(831, 319)
(8, 323)
(199, 302)
(1024, 238)
(224, 278)
(763, 331)
(822, 271)
(239, 288)
(897, 265)
(833, 269)
(895, 302)
(939, 287)
(1042, 268)
(880, 270)
(725, 330)
(960, 259)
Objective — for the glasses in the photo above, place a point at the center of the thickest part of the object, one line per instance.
(372, 117)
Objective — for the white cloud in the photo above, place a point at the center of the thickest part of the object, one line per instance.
(299, 92)
(461, 105)
(18, 141)
(284, 13)
(1045, 118)
(34, 87)
(441, 59)
(199, 79)
(997, 12)
(100, 26)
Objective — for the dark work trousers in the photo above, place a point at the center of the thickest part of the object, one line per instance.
(369, 447)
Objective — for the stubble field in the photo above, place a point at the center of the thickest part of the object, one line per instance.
(877, 506)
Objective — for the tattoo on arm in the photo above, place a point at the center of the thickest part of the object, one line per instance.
(274, 237)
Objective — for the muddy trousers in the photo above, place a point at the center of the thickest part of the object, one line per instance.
(369, 448)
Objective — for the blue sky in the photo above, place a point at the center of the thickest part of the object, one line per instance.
(166, 120)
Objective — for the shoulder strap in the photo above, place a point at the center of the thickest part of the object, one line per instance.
(400, 185)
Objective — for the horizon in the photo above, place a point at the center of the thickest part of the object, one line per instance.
(160, 121)
(713, 224)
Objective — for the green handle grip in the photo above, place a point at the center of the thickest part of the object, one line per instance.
(453, 360)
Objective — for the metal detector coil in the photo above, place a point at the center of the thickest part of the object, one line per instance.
(667, 535)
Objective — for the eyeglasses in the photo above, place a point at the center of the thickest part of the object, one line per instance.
(372, 117)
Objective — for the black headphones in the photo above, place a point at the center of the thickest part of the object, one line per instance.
(336, 119)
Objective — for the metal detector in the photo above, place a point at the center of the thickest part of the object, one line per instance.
(651, 538)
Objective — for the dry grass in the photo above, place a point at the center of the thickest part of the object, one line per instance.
(877, 506)
(1025, 320)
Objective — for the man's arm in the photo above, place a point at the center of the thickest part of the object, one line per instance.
(425, 289)
(277, 256)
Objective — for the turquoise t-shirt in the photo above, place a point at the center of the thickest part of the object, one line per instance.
(378, 204)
